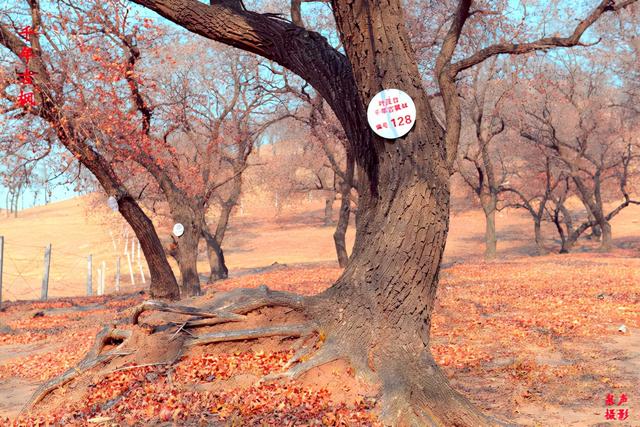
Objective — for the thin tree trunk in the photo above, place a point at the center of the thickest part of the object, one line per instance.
(215, 255)
(328, 209)
(223, 221)
(217, 265)
(339, 236)
(537, 232)
(607, 243)
(490, 239)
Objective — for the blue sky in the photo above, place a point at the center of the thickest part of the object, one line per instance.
(535, 16)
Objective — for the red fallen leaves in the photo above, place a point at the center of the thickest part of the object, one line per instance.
(209, 367)
(161, 393)
(36, 305)
(44, 366)
(289, 405)
(44, 322)
(459, 355)
(26, 337)
(41, 366)
(507, 311)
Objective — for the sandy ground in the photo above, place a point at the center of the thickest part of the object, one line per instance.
(78, 227)
(532, 340)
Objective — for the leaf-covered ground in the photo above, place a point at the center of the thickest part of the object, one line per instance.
(533, 340)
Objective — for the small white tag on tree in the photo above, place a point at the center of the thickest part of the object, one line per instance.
(391, 113)
(112, 203)
(178, 229)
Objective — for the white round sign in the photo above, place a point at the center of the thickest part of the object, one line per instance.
(391, 113)
(178, 229)
(112, 203)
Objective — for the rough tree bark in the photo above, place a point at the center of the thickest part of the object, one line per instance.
(378, 314)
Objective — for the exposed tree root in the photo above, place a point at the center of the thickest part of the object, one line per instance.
(152, 305)
(300, 364)
(414, 391)
(250, 334)
(227, 307)
(108, 335)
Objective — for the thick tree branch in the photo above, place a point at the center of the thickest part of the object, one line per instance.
(446, 80)
(306, 53)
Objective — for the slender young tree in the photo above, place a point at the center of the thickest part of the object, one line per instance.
(486, 173)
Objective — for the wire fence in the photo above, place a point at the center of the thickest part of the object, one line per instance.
(29, 271)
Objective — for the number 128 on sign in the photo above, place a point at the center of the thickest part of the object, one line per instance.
(406, 120)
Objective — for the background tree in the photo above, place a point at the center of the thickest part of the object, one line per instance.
(592, 143)
(481, 163)
(56, 104)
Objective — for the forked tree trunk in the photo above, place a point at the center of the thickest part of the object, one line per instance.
(378, 314)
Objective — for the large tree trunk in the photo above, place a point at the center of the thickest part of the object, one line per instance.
(378, 314)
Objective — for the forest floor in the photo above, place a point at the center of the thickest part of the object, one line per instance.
(532, 340)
